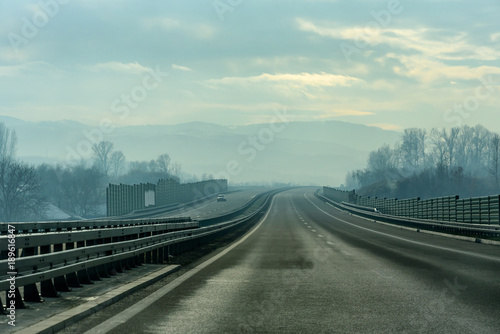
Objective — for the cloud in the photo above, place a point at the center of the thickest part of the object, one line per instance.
(246, 107)
(130, 68)
(323, 112)
(351, 112)
(428, 70)
(181, 68)
(437, 43)
(386, 126)
(297, 80)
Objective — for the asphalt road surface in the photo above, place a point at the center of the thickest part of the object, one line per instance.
(211, 208)
(310, 268)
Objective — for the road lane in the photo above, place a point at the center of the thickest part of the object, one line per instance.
(303, 270)
(210, 208)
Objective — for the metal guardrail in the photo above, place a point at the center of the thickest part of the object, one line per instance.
(476, 210)
(476, 230)
(99, 235)
(71, 257)
(44, 227)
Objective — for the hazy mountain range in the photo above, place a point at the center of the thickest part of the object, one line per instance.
(318, 153)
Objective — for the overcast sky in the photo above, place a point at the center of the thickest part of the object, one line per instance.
(392, 64)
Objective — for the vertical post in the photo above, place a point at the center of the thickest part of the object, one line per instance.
(31, 291)
(47, 287)
(72, 278)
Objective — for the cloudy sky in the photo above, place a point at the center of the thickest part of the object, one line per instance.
(392, 64)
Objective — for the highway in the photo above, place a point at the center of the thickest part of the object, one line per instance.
(211, 208)
(309, 268)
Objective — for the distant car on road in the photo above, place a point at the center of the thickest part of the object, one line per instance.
(221, 198)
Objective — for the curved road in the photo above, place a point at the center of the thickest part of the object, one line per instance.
(310, 268)
(210, 208)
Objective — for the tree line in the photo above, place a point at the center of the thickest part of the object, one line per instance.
(461, 161)
(27, 191)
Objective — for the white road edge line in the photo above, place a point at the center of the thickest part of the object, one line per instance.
(133, 310)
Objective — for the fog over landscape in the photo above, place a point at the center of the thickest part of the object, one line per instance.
(281, 153)
(259, 93)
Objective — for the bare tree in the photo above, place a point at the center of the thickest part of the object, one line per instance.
(351, 180)
(479, 148)
(102, 156)
(413, 149)
(8, 142)
(138, 166)
(451, 142)
(382, 159)
(82, 189)
(152, 166)
(20, 189)
(163, 163)
(471, 148)
(19, 192)
(117, 163)
(439, 149)
(494, 163)
(176, 169)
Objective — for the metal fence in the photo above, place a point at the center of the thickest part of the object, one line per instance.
(123, 199)
(476, 210)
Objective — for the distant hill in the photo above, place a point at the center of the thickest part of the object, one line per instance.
(303, 152)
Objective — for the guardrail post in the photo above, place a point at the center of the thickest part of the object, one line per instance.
(83, 275)
(31, 291)
(161, 257)
(72, 278)
(124, 264)
(60, 282)
(93, 272)
(166, 255)
(110, 269)
(154, 252)
(117, 266)
(154, 256)
(132, 261)
(47, 288)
